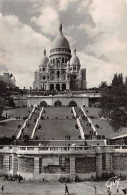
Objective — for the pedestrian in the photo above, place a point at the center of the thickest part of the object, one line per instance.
(2, 189)
(95, 189)
(109, 191)
(66, 189)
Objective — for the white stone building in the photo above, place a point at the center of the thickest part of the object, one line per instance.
(60, 71)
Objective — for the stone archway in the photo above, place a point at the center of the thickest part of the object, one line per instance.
(72, 103)
(58, 87)
(51, 87)
(43, 104)
(57, 103)
(63, 86)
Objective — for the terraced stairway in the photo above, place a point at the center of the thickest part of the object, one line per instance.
(57, 124)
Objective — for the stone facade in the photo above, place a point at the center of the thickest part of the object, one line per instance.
(61, 71)
(54, 162)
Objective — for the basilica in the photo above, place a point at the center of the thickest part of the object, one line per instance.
(61, 71)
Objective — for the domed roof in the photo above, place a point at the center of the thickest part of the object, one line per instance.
(74, 59)
(44, 60)
(60, 41)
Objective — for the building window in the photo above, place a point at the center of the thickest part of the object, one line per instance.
(74, 68)
(44, 77)
(65, 60)
(10, 163)
(62, 60)
(43, 69)
(58, 74)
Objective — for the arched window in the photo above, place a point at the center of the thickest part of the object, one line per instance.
(74, 67)
(72, 103)
(58, 103)
(51, 87)
(63, 86)
(58, 74)
(58, 87)
(43, 104)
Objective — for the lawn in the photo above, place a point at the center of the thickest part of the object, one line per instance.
(60, 112)
(10, 128)
(56, 129)
(104, 126)
(18, 112)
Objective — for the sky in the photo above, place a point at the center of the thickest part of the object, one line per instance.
(96, 28)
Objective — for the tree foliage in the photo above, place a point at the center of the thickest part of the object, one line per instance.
(114, 102)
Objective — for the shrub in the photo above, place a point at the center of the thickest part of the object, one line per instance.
(76, 126)
(97, 125)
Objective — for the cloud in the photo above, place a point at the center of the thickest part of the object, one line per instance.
(23, 49)
(110, 30)
(48, 20)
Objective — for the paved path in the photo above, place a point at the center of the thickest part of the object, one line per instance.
(34, 188)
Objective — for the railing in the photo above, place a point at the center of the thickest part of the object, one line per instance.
(39, 149)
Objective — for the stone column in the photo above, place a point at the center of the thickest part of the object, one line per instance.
(6, 163)
(60, 86)
(14, 164)
(99, 165)
(54, 86)
(108, 162)
(72, 165)
(36, 165)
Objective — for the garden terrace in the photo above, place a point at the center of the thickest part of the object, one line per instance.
(18, 112)
(60, 112)
(11, 127)
(52, 129)
(102, 125)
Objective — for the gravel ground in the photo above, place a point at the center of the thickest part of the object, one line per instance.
(34, 188)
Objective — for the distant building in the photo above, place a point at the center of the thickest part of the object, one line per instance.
(60, 71)
(9, 79)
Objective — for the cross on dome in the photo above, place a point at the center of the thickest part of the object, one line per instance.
(75, 51)
(44, 51)
(60, 29)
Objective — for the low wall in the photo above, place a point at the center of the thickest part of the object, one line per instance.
(50, 100)
(35, 163)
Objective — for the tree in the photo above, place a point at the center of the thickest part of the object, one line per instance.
(1, 107)
(103, 84)
(114, 102)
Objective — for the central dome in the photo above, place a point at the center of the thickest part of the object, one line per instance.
(60, 41)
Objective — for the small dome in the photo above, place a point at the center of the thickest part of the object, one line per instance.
(74, 59)
(44, 60)
(60, 41)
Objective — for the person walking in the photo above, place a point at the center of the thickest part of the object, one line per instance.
(66, 189)
(95, 189)
(2, 189)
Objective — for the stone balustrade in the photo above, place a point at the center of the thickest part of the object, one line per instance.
(66, 149)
